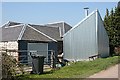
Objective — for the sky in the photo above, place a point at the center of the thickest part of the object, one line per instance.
(48, 12)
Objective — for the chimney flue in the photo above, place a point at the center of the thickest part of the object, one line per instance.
(86, 11)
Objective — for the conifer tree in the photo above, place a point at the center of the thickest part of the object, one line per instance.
(112, 25)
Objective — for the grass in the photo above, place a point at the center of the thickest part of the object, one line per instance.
(80, 69)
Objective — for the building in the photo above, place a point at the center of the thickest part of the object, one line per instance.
(20, 39)
(87, 38)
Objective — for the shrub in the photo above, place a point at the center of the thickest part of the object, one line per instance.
(8, 66)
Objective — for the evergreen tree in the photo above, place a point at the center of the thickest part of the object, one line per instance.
(112, 25)
(118, 4)
(117, 24)
(106, 18)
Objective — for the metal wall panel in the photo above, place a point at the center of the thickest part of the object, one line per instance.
(103, 40)
(40, 48)
(80, 42)
(22, 47)
(86, 39)
(53, 46)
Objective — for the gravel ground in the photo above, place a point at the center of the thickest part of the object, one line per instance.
(112, 72)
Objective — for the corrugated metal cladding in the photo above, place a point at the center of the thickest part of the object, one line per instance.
(103, 40)
(82, 40)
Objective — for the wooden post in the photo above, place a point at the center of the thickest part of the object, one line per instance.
(53, 59)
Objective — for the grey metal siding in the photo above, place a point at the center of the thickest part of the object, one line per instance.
(22, 47)
(60, 47)
(67, 46)
(103, 40)
(53, 46)
(87, 38)
(80, 42)
(38, 48)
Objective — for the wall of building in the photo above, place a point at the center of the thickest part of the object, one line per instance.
(60, 47)
(80, 42)
(38, 49)
(25, 47)
(87, 38)
(11, 47)
(103, 40)
(53, 46)
(22, 47)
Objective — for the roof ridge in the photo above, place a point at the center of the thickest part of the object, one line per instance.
(56, 22)
(15, 22)
(13, 26)
(42, 26)
(22, 32)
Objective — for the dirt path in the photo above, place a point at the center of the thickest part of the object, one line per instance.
(111, 72)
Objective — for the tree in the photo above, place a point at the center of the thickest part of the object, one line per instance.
(117, 25)
(118, 4)
(106, 20)
(112, 25)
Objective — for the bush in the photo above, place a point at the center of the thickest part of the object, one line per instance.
(8, 66)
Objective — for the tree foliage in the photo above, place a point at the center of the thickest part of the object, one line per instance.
(112, 25)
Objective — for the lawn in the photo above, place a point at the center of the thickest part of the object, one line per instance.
(81, 69)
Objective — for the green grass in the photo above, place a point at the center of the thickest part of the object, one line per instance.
(80, 69)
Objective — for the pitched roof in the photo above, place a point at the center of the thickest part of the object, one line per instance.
(11, 33)
(52, 32)
(14, 32)
(31, 34)
(63, 27)
(11, 23)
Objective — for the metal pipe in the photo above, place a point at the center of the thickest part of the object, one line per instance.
(86, 11)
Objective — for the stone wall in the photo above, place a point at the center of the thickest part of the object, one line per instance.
(11, 47)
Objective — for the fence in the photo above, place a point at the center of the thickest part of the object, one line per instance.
(23, 56)
(24, 60)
